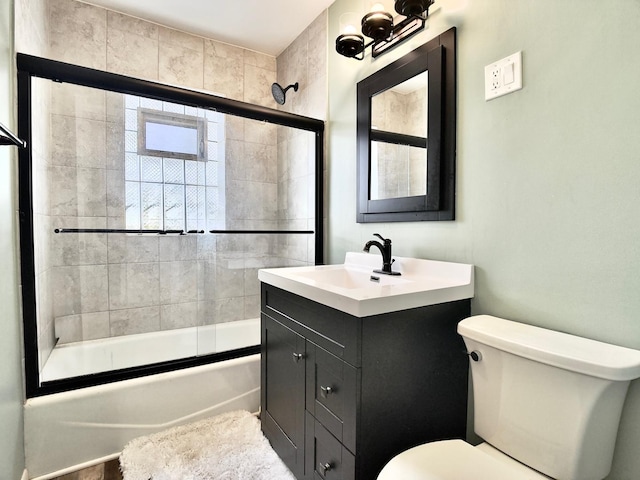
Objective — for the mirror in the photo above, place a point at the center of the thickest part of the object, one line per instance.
(399, 140)
(406, 137)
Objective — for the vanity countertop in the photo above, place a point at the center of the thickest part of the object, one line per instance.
(354, 288)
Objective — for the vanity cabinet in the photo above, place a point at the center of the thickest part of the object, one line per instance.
(341, 395)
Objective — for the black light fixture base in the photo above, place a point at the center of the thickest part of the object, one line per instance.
(380, 27)
(350, 45)
(402, 31)
(377, 25)
(413, 8)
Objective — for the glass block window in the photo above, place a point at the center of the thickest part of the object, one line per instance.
(173, 166)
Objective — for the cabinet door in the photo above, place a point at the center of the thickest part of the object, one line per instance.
(283, 390)
(327, 458)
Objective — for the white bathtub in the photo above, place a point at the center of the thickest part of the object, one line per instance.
(103, 355)
(72, 430)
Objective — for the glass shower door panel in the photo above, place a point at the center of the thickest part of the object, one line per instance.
(116, 290)
(269, 180)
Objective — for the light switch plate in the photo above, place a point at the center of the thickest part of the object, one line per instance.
(503, 76)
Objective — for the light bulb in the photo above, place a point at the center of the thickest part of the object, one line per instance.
(349, 30)
(349, 23)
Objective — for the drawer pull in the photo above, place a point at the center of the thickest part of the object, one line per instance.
(325, 391)
(297, 357)
(324, 468)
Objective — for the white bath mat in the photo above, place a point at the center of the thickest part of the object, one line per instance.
(230, 446)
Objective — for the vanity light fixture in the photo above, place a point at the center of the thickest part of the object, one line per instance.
(379, 26)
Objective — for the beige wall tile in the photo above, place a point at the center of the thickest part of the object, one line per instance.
(78, 33)
(115, 139)
(85, 326)
(126, 23)
(260, 132)
(95, 325)
(132, 54)
(32, 27)
(76, 101)
(134, 320)
(78, 249)
(224, 69)
(81, 289)
(176, 37)
(133, 248)
(260, 60)
(178, 282)
(115, 194)
(77, 141)
(317, 48)
(174, 247)
(181, 315)
(179, 65)
(91, 191)
(257, 85)
(133, 285)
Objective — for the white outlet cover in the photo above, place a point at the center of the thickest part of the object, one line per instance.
(503, 76)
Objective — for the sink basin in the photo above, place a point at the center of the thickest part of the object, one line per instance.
(341, 276)
(354, 288)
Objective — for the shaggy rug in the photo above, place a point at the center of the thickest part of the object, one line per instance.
(230, 446)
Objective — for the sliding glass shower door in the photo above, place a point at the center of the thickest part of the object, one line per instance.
(150, 219)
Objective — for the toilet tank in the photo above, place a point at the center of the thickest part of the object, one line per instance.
(548, 399)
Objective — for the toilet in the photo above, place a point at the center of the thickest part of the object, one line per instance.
(547, 405)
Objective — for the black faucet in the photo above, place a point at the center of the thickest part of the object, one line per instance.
(385, 250)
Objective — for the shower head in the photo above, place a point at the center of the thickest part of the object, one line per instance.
(279, 93)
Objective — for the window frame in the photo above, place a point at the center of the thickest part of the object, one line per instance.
(149, 115)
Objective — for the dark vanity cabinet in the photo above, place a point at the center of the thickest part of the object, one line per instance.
(341, 395)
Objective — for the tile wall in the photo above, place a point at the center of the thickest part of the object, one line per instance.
(112, 284)
(305, 62)
(32, 33)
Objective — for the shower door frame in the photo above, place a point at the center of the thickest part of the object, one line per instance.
(31, 66)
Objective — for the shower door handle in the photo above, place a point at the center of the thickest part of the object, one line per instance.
(297, 356)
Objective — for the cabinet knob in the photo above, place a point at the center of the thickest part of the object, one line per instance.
(297, 356)
(324, 468)
(325, 391)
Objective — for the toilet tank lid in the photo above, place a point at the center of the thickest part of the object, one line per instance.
(561, 350)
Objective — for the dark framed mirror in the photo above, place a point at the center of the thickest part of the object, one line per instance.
(406, 131)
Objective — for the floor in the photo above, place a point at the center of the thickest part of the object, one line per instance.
(103, 471)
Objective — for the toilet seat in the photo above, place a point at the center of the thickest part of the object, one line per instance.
(455, 460)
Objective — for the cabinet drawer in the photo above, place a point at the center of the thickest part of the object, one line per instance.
(331, 393)
(335, 331)
(325, 457)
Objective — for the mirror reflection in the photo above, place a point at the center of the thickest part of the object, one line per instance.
(399, 140)
(402, 108)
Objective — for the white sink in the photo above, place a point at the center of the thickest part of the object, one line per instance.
(354, 288)
(343, 276)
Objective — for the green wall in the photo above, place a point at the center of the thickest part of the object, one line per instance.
(548, 186)
(11, 396)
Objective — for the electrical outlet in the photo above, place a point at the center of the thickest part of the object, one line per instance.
(503, 76)
(495, 79)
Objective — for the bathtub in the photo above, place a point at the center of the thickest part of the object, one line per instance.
(94, 356)
(68, 431)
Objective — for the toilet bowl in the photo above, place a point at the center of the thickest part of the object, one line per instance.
(456, 460)
(547, 404)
